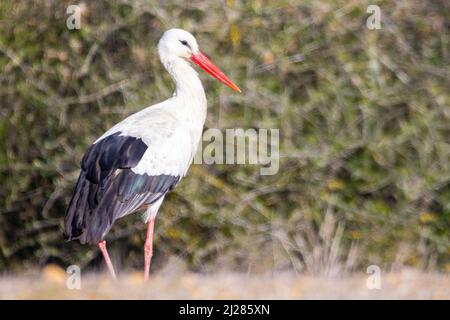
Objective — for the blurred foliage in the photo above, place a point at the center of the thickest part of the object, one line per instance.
(363, 117)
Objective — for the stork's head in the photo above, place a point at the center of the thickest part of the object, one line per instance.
(180, 43)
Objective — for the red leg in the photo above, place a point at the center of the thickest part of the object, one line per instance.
(102, 246)
(148, 247)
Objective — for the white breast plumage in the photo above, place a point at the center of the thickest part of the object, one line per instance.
(169, 142)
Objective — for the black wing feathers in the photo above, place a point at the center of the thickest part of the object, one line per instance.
(108, 189)
(113, 152)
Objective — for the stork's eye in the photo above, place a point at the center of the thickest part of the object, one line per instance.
(184, 43)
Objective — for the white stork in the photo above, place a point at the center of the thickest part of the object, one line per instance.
(135, 163)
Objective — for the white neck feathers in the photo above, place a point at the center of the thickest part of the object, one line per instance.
(185, 77)
(189, 101)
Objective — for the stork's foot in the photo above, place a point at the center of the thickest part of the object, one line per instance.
(102, 246)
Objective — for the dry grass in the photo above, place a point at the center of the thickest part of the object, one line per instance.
(50, 284)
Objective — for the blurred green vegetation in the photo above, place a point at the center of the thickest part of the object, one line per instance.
(363, 116)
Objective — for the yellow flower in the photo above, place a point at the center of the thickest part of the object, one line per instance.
(356, 235)
(235, 35)
(335, 184)
(426, 217)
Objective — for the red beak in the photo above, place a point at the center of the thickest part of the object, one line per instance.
(203, 62)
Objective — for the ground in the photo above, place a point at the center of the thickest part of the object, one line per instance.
(51, 284)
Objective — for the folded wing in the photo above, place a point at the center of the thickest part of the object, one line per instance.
(108, 188)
